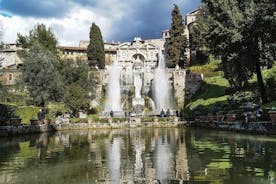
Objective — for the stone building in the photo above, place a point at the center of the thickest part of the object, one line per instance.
(190, 19)
(73, 53)
(110, 49)
(80, 52)
(10, 61)
(137, 59)
(137, 62)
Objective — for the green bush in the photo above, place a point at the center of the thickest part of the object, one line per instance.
(6, 112)
(237, 99)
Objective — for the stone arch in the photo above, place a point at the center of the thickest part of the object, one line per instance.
(137, 56)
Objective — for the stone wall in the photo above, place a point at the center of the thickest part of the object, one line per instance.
(185, 85)
(192, 84)
(132, 123)
(178, 77)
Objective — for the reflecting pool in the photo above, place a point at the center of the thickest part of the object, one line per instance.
(138, 156)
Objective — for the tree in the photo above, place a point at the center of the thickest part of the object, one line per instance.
(95, 50)
(79, 74)
(198, 33)
(40, 75)
(176, 44)
(242, 33)
(3, 93)
(74, 72)
(45, 37)
(75, 98)
(94, 78)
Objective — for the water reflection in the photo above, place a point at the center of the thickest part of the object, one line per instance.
(138, 156)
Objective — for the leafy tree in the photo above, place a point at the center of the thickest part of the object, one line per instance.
(80, 75)
(3, 92)
(45, 37)
(198, 33)
(94, 79)
(95, 50)
(40, 75)
(75, 98)
(6, 112)
(74, 72)
(242, 33)
(177, 43)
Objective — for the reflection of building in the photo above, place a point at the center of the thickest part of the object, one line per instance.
(182, 167)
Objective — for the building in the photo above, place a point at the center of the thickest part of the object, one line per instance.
(9, 55)
(80, 52)
(10, 61)
(73, 53)
(190, 20)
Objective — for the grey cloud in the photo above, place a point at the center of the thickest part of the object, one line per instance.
(144, 18)
(148, 19)
(36, 8)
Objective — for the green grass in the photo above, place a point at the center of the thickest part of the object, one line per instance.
(208, 70)
(93, 116)
(269, 105)
(210, 94)
(266, 74)
(26, 113)
(209, 103)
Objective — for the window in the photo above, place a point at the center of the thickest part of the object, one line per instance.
(10, 76)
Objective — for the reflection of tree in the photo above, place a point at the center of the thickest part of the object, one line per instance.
(85, 157)
(240, 159)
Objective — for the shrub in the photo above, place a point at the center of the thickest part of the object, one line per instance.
(238, 98)
(6, 112)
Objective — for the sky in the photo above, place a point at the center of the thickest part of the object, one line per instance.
(70, 20)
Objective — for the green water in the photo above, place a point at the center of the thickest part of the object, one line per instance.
(139, 155)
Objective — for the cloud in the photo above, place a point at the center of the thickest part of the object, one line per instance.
(69, 30)
(70, 20)
(149, 18)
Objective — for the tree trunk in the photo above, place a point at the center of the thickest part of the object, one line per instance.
(261, 82)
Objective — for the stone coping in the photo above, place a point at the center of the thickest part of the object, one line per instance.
(11, 130)
(260, 127)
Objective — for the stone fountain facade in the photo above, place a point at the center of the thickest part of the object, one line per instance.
(137, 61)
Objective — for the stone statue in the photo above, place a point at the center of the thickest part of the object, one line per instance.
(137, 85)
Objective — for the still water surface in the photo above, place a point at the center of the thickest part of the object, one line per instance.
(139, 156)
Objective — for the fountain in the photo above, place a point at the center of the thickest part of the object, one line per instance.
(113, 98)
(139, 81)
(161, 89)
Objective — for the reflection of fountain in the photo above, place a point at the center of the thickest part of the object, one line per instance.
(164, 159)
(161, 89)
(113, 100)
(114, 160)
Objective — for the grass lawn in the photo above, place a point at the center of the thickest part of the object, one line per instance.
(26, 113)
(212, 92)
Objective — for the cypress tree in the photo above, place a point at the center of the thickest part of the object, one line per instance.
(177, 43)
(95, 50)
